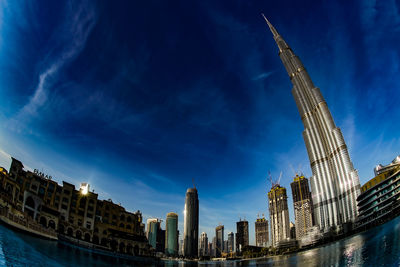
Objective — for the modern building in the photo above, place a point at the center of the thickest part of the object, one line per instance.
(171, 234)
(262, 234)
(231, 242)
(278, 214)
(219, 245)
(153, 225)
(181, 247)
(191, 224)
(379, 199)
(214, 245)
(334, 183)
(302, 204)
(242, 234)
(210, 249)
(226, 250)
(203, 248)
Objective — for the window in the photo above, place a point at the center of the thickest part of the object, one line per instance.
(65, 200)
(63, 206)
(82, 202)
(67, 192)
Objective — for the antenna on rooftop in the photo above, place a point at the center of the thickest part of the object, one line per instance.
(194, 186)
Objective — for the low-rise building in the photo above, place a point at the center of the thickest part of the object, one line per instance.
(76, 214)
(379, 198)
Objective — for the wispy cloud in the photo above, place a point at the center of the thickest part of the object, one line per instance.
(74, 31)
(263, 76)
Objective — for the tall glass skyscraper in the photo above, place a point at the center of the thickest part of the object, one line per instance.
(191, 224)
(334, 182)
(171, 234)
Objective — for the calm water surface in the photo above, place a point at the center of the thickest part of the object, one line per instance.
(377, 247)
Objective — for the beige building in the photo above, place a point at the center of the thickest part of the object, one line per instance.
(279, 214)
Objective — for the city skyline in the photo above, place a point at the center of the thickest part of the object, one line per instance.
(226, 137)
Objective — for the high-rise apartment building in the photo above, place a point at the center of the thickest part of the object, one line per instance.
(219, 234)
(203, 249)
(279, 214)
(262, 234)
(242, 234)
(171, 234)
(334, 183)
(191, 224)
(302, 204)
(231, 241)
(153, 232)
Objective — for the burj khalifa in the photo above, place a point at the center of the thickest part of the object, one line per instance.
(334, 183)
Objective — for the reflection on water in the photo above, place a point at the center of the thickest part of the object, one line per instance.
(377, 247)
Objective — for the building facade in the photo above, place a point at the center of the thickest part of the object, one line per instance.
(278, 214)
(302, 204)
(334, 183)
(262, 233)
(153, 225)
(379, 198)
(77, 215)
(171, 234)
(242, 235)
(191, 224)
(231, 242)
(203, 248)
(219, 245)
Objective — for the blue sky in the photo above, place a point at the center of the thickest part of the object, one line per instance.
(139, 98)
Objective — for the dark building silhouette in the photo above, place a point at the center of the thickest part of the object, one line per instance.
(219, 234)
(242, 235)
(191, 224)
(262, 234)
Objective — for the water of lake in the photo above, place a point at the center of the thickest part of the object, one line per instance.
(377, 247)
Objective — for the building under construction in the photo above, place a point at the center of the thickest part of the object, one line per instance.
(262, 235)
(302, 205)
(279, 214)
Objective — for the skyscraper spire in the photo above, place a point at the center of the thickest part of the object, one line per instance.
(334, 184)
(277, 37)
(272, 28)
